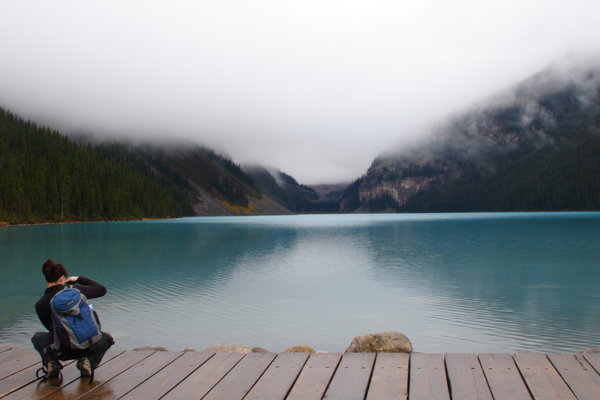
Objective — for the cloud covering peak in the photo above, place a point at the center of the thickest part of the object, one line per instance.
(314, 88)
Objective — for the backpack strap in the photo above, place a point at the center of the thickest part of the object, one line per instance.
(56, 343)
(59, 340)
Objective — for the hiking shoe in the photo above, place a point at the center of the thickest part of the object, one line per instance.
(84, 366)
(53, 368)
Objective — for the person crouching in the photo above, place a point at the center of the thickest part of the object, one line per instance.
(52, 344)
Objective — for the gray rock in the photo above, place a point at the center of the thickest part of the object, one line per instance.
(592, 351)
(229, 348)
(260, 350)
(384, 342)
(154, 348)
(304, 348)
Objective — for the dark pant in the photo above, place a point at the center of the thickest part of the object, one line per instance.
(42, 340)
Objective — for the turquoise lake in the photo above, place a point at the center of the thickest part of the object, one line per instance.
(497, 282)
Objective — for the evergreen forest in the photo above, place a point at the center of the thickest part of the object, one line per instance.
(47, 177)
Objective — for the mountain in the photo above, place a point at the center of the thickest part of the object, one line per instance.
(330, 192)
(285, 190)
(214, 184)
(535, 147)
(48, 177)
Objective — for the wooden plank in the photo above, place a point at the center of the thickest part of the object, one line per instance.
(583, 380)
(14, 352)
(593, 358)
(238, 382)
(165, 380)
(27, 376)
(4, 348)
(503, 377)
(18, 380)
(543, 381)
(428, 377)
(39, 389)
(17, 352)
(190, 376)
(110, 367)
(202, 380)
(465, 377)
(390, 377)
(17, 360)
(351, 379)
(315, 377)
(278, 379)
(121, 384)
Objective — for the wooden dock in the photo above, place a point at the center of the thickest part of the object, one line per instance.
(298, 376)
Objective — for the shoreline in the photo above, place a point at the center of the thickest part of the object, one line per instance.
(4, 224)
(231, 348)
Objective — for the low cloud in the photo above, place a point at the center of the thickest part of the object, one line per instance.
(314, 88)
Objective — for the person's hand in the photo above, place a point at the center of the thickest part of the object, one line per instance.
(72, 279)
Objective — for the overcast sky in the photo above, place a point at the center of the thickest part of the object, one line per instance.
(316, 88)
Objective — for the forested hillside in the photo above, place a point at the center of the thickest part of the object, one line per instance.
(45, 176)
(214, 185)
(545, 179)
(48, 177)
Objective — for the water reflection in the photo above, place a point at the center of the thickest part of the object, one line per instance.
(524, 283)
(469, 282)
(149, 269)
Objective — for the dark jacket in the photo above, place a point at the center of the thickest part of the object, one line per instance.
(88, 287)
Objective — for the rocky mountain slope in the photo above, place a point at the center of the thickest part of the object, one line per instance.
(214, 184)
(534, 147)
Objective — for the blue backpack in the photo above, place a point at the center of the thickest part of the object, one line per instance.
(76, 324)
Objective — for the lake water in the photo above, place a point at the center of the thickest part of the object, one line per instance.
(451, 282)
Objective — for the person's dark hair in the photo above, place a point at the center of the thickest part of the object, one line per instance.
(53, 271)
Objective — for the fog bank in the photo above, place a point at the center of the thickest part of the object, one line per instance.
(314, 88)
